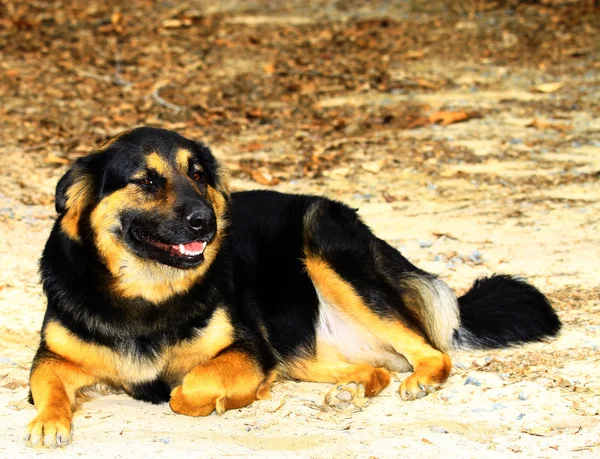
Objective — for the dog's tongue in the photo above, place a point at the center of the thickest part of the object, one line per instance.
(191, 248)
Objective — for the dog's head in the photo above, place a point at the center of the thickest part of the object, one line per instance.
(153, 204)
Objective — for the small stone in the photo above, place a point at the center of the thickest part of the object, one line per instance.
(164, 440)
(522, 396)
(483, 361)
(373, 167)
(521, 416)
(472, 381)
(425, 244)
(476, 257)
(438, 429)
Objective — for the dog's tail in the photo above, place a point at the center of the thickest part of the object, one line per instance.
(503, 310)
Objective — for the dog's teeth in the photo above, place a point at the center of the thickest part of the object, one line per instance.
(182, 249)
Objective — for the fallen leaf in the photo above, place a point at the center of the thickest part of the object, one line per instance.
(426, 84)
(443, 118)
(172, 23)
(254, 146)
(262, 178)
(446, 117)
(538, 431)
(414, 54)
(251, 114)
(543, 125)
(116, 18)
(224, 42)
(388, 197)
(548, 87)
(53, 159)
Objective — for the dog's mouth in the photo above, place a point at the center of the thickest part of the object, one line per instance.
(192, 250)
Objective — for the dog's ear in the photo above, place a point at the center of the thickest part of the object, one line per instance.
(75, 182)
(75, 191)
(65, 182)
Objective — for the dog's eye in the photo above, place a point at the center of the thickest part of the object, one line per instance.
(146, 182)
(197, 176)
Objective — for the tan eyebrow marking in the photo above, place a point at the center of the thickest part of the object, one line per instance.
(158, 163)
(183, 160)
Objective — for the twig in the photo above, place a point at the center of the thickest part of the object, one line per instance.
(585, 447)
(163, 102)
(439, 211)
(449, 236)
(95, 76)
(175, 11)
(117, 78)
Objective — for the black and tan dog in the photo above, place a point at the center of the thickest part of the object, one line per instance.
(162, 284)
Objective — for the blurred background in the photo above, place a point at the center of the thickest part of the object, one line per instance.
(288, 90)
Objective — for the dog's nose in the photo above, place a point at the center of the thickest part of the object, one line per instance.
(203, 222)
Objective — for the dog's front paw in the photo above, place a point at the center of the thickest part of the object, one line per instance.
(49, 430)
(194, 403)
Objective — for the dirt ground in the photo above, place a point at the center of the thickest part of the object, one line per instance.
(467, 134)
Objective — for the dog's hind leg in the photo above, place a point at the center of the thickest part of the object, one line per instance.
(377, 298)
(352, 382)
(431, 367)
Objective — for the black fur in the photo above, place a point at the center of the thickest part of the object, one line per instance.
(502, 310)
(156, 392)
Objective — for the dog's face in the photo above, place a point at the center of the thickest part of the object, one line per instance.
(153, 204)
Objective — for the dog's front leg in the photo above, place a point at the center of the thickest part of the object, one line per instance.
(54, 384)
(232, 379)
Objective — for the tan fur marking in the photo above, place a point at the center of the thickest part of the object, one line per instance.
(159, 164)
(54, 384)
(78, 197)
(100, 361)
(134, 276)
(138, 277)
(112, 140)
(431, 367)
(182, 159)
(328, 366)
(217, 335)
(231, 380)
(106, 365)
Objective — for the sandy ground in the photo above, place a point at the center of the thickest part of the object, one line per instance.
(525, 201)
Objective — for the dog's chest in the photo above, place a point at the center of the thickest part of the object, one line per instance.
(129, 362)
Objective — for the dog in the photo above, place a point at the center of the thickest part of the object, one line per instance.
(163, 284)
